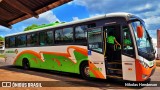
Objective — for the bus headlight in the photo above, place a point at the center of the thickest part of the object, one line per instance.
(144, 64)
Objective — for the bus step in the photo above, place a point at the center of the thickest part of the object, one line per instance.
(114, 76)
(114, 63)
(115, 69)
(115, 66)
(114, 72)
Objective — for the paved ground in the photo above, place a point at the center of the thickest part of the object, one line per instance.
(63, 81)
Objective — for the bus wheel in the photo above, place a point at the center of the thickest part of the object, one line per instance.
(25, 64)
(84, 70)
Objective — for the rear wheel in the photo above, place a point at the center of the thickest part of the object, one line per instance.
(84, 70)
(25, 64)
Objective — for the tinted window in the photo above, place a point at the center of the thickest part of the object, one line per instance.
(12, 42)
(46, 38)
(127, 42)
(42, 37)
(32, 39)
(95, 39)
(64, 35)
(91, 25)
(58, 35)
(21, 41)
(68, 34)
(6, 42)
(81, 33)
(49, 37)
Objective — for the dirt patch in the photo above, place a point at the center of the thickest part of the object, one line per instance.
(158, 63)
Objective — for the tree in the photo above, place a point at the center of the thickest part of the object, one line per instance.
(35, 26)
(1, 38)
(30, 27)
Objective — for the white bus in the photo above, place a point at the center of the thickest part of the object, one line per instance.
(81, 47)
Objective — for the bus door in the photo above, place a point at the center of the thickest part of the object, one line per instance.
(95, 53)
(112, 51)
(128, 55)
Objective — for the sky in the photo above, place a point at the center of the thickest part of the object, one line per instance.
(148, 10)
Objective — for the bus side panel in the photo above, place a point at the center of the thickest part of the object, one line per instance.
(97, 65)
(61, 58)
(80, 58)
(128, 68)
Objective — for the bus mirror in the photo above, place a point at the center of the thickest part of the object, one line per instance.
(139, 31)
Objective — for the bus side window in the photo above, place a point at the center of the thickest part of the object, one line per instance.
(12, 42)
(42, 36)
(127, 42)
(95, 40)
(64, 36)
(58, 36)
(7, 42)
(49, 37)
(68, 35)
(32, 39)
(81, 33)
(21, 41)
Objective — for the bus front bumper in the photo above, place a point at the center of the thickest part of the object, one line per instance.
(142, 73)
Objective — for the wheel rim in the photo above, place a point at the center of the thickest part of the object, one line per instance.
(86, 71)
(26, 64)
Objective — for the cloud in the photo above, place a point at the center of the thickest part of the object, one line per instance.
(75, 18)
(44, 18)
(4, 29)
(148, 10)
(108, 6)
(151, 22)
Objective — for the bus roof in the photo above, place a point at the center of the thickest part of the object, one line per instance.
(123, 14)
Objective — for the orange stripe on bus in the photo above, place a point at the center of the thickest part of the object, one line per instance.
(56, 53)
(97, 73)
(67, 55)
(29, 52)
(35, 60)
(58, 62)
(78, 49)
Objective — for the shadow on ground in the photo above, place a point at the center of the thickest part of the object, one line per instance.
(72, 80)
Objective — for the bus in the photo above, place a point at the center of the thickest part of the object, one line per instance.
(81, 47)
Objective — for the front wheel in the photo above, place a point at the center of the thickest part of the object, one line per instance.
(84, 70)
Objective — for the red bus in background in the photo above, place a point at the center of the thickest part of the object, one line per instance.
(158, 44)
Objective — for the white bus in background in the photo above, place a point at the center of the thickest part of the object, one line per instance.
(2, 47)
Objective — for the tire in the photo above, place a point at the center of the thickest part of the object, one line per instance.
(25, 64)
(84, 70)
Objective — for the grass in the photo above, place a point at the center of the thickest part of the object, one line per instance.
(1, 56)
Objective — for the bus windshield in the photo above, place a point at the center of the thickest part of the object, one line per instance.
(144, 44)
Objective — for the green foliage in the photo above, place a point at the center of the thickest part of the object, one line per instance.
(30, 27)
(1, 56)
(1, 38)
(35, 26)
